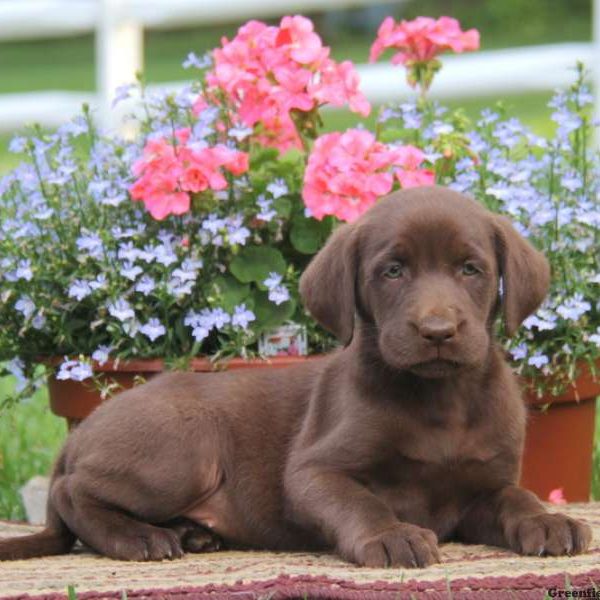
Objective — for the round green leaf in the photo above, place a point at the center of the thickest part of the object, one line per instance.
(231, 291)
(309, 235)
(268, 314)
(254, 263)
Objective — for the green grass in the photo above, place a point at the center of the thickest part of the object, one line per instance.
(30, 437)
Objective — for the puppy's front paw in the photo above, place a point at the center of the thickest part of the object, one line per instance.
(549, 534)
(404, 545)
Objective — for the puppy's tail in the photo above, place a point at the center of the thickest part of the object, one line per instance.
(48, 542)
(56, 538)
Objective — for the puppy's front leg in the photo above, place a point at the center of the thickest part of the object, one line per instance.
(514, 518)
(360, 526)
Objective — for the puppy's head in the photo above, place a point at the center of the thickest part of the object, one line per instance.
(421, 270)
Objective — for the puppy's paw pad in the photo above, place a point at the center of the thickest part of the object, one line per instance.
(549, 535)
(400, 546)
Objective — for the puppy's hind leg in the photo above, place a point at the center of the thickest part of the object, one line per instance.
(114, 533)
(194, 537)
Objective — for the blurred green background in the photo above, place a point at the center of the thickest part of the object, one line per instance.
(29, 434)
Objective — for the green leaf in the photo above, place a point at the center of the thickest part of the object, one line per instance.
(283, 206)
(309, 235)
(254, 263)
(231, 291)
(293, 155)
(261, 156)
(268, 314)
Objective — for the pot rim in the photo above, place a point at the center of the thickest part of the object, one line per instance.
(201, 364)
(585, 387)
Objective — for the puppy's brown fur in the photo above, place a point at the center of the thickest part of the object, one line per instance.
(410, 434)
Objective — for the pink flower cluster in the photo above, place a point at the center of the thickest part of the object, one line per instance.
(168, 173)
(267, 72)
(422, 39)
(347, 172)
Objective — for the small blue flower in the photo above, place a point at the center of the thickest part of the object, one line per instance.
(76, 127)
(25, 306)
(242, 316)
(213, 224)
(266, 212)
(441, 128)
(595, 337)
(573, 308)
(75, 370)
(220, 318)
(121, 310)
(130, 271)
(273, 280)
(386, 114)
(38, 321)
(240, 133)
(199, 333)
(188, 271)
(98, 283)
(145, 285)
(92, 243)
(177, 287)
(164, 254)
(153, 329)
(24, 270)
(487, 117)
(520, 352)
(17, 145)
(237, 235)
(538, 360)
(127, 251)
(571, 181)
(101, 354)
(567, 122)
(79, 289)
(278, 188)
(197, 62)
(16, 368)
(277, 293)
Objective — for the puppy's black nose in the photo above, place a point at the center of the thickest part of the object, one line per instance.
(437, 329)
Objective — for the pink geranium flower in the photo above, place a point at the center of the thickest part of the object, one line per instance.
(347, 172)
(409, 173)
(268, 72)
(557, 496)
(422, 39)
(167, 174)
(297, 36)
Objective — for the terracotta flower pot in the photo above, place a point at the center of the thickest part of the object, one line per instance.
(558, 448)
(560, 439)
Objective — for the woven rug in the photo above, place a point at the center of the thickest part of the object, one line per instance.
(465, 572)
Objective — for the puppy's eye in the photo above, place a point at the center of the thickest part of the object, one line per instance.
(469, 269)
(394, 271)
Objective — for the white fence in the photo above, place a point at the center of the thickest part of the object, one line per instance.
(119, 28)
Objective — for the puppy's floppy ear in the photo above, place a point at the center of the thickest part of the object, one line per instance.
(525, 273)
(327, 286)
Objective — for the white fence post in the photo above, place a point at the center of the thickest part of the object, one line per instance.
(119, 55)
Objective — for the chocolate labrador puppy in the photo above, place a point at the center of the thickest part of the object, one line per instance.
(410, 434)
